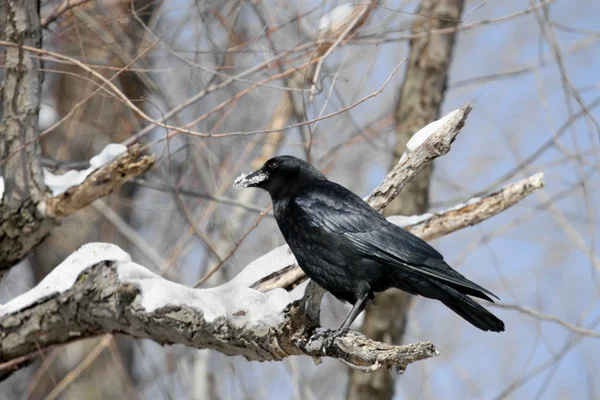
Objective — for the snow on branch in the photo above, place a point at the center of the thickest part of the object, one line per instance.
(434, 225)
(108, 170)
(431, 142)
(98, 289)
(26, 222)
(60, 183)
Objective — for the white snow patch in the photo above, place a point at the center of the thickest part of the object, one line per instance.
(233, 300)
(472, 201)
(265, 265)
(335, 19)
(109, 153)
(404, 220)
(240, 305)
(1, 188)
(65, 275)
(424, 133)
(60, 183)
(47, 116)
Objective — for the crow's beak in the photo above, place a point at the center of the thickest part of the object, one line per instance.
(251, 180)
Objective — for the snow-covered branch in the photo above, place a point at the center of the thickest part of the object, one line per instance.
(434, 225)
(98, 289)
(429, 143)
(106, 173)
(27, 222)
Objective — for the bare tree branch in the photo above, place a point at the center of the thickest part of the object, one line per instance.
(24, 225)
(61, 9)
(474, 211)
(550, 318)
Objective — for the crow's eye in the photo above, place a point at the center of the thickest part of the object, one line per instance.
(273, 165)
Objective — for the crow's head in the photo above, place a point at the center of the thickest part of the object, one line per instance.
(278, 173)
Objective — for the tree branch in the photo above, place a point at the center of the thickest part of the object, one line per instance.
(63, 7)
(99, 290)
(99, 183)
(24, 225)
(436, 145)
(432, 226)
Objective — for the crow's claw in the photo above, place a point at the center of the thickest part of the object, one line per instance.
(334, 335)
(328, 342)
(319, 333)
(327, 335)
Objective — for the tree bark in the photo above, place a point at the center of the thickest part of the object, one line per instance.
(21, 225)
(420, 99)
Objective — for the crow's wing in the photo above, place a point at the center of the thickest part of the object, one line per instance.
(335, 209)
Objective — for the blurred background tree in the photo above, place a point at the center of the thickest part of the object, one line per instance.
(238, 71)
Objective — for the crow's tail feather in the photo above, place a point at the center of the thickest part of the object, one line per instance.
(467, 308)
(454, 294)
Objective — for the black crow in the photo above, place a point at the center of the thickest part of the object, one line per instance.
(352, 251)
